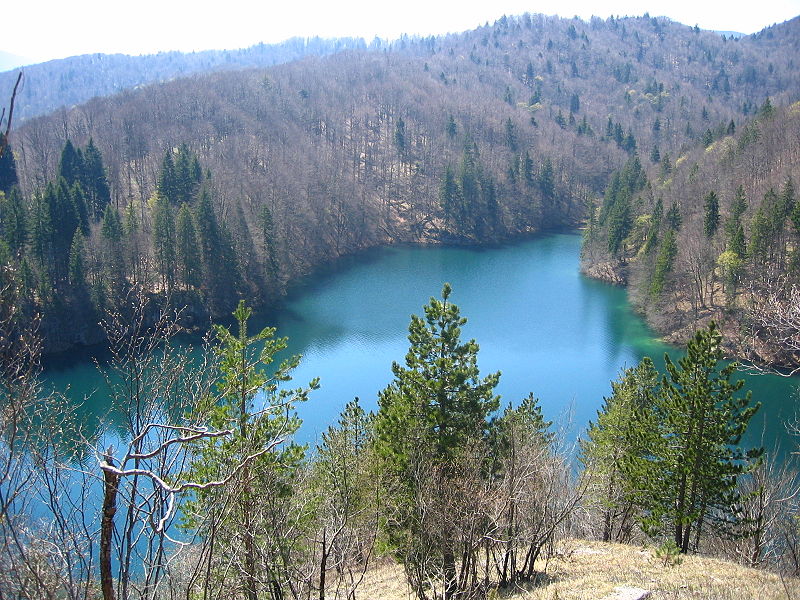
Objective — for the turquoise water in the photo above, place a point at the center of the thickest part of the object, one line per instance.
(548, 329)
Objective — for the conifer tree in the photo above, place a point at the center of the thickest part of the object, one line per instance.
(164, 241)
(436, 407)
(664, 263)
(687, 481)
(614, 441)
(187, 252)
(77, 268)
(98, 192)
(70, 165)
(246, 518)
(8, 170)
(711, 216)
(14, 219)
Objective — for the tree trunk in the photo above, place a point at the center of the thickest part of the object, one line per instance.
(110, 487)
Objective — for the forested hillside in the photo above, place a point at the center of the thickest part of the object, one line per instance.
(471, 138)
(64, 83)
(712, 236)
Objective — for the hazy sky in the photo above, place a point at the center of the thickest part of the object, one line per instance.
(45, 29)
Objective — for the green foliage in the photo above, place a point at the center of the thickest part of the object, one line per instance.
(111, 229)
(163, 240)
(14, 220)
(711, 215)
(664, 263)
(451, 128)
(180, 175)
(77, 268)
(623, 432)
(8, 170)
(187, 254)
(687, 480)
(668, 553)
(250, 514)
(433, 413)
(438, 396)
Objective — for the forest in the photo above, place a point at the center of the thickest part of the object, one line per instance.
(178, 200)
(205, 494)
(473, 138)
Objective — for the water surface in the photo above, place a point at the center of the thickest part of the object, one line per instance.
(548, 329)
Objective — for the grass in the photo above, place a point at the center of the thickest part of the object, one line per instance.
(585, 570)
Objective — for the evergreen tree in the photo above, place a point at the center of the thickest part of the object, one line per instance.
(220, 270)
(546, 179)
(737, 243)
(255, 404)
(711, 215)
(79, 201)
(41, 234)
(112, 233)
(664, 263)
(451, 128)
(8, 170)
(738, 208)
(77, 267)
(163, 239)
(187, 252)
(70, 166)
(616, 439)
(167, 186)
(14, 221)
(688, 480)
(674, 218)
(436, 407)
(98, 192)
(64, 220)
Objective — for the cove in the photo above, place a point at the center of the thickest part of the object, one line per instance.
(548, 329)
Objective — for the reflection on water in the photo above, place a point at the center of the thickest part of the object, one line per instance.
(548, 329)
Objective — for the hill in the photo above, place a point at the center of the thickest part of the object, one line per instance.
(584, 570)
(472, 138)
(71, 81)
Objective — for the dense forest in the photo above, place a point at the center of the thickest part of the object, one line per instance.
(473, 138)
(133, 216)
(714, 236)
(64, 83)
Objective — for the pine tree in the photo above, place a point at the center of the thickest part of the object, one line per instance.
(167, 186)
(451, 128)
(664, 263)
(70, 166)
(711, 215)
(112, 234)
(688, 480)
(436, 407)
(163, 238)
(97, 190)
(14, 220)
(8, 170)
(187, 252)
(77, 267)
(674, 218)
(248, 515)
(614, 443)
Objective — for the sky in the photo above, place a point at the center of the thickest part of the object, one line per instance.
(40, 30)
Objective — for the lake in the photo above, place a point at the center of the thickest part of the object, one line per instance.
(548, 329)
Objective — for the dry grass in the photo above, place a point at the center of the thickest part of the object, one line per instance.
(584, 570)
